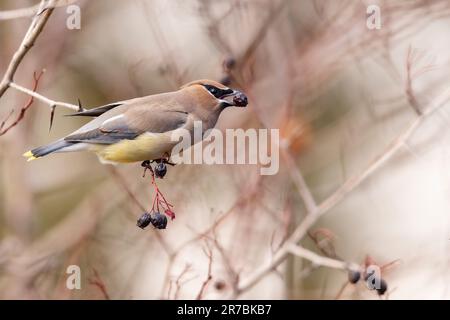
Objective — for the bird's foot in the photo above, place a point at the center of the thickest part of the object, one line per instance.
(160, 168)
(165, 160)
(147, 166)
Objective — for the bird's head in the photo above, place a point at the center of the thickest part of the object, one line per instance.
(214, 94)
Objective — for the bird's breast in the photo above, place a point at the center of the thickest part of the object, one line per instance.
(147, 146)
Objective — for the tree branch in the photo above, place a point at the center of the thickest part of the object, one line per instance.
(319, 260)
(51, 103)
(36, 27)
(19, 13)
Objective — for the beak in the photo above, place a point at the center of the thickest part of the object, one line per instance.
(236, 98)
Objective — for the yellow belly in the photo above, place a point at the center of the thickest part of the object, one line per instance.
(145, 147)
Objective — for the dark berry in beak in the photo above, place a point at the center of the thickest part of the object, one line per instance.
(160, 170)
(144, 220)
(240, 100)
(159, 221)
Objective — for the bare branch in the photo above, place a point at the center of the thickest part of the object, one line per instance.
(36, 27)
(19, 13)
(51, 103)
(322, 261)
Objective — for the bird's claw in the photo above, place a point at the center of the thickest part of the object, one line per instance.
(147, 166)
(166, 160)
(160, 169)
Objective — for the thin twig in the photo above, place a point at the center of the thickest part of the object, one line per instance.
(178, 282)
(124, 185)
(205, 283)
(98, 282)
(51, 103)
(408, 86)
(322, 261)
(297, 178)
(19, 13)
(23, 110)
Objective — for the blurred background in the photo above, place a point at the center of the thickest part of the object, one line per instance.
(339, 92)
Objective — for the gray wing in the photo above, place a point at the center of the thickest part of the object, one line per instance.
(128, 125)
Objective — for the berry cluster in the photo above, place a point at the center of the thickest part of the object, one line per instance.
(355, 276)
(158, 220)
(159, 204)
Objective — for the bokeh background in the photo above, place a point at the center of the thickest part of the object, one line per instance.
(339, 92)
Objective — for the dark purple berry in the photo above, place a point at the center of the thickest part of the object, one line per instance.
(144, 220)
(160, 170)
(159, 221)
(240, 100)
(354, 276)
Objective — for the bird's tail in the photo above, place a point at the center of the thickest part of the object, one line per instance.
(47, 149)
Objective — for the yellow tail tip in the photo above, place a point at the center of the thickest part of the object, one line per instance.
(29, 155)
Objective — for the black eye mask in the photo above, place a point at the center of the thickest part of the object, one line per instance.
(216, 92)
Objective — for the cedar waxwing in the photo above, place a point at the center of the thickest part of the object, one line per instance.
(140, 129)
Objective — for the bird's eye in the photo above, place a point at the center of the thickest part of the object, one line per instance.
(216, 92)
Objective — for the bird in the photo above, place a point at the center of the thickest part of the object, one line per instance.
(140, 129)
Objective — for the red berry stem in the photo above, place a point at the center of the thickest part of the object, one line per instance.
(160, 200)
